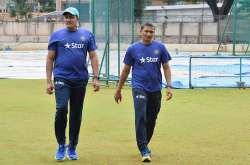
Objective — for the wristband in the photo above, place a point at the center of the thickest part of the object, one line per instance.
(169, 86)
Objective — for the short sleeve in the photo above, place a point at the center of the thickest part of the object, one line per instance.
(128, 59)
(91, 44)
(52, 43)
(165, 56)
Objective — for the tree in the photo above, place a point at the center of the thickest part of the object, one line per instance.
(139, 7)
(22, 9)
(47, 5)
(12, 12)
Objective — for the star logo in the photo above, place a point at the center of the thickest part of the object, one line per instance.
(142, 60)
(67, 45)
(82, 38)
(156, 52)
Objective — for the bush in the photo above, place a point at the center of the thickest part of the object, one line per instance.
(12, 12)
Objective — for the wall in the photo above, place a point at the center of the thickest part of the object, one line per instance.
(171, 32)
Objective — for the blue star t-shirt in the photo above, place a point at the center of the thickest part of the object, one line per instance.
(71, 51)
(146, 61)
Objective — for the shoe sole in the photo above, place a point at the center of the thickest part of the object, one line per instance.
(59, 160)
(146, 159)
(71, 158)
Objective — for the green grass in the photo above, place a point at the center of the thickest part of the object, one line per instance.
(197, 127)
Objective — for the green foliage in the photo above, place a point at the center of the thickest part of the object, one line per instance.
(139, 7)
(245, 5)
(12, 12)
(47, 5)
(23, 9)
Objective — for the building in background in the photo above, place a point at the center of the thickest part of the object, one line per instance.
(62, 4)
(5, 5)
(175, 2)
(155, 10)
(82, 5)
(178, 11)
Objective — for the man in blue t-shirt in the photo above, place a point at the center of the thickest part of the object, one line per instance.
(67, 53)
(146, 58)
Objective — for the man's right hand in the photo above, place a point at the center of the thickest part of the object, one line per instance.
(50, 88)
(118, 96)
(96, 85)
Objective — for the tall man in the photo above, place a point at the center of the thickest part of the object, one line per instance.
(146, 57)
(67, 52)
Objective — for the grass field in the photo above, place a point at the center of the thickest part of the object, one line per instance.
(197, 127)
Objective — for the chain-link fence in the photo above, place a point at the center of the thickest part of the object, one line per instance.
(113, 25)
(235, 28)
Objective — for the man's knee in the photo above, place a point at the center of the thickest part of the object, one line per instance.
(61, 112)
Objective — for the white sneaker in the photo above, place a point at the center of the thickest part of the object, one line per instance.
(146, 158)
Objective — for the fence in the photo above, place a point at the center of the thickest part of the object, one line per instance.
(214, 71)
(236, 27)
(171, 32)
(112, 22)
